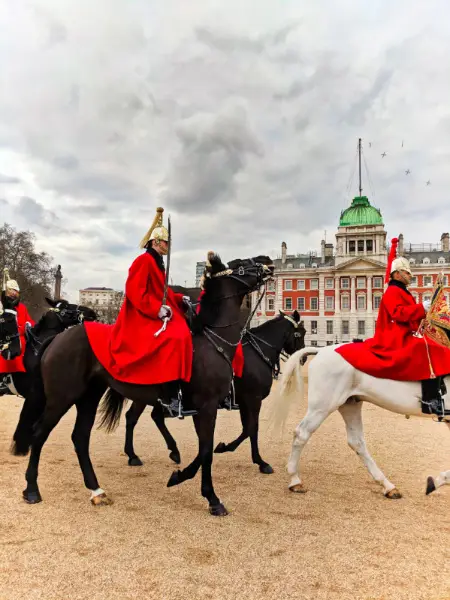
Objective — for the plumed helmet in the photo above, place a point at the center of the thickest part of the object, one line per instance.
(157, 231)
(401, 264)
(12, 284)
(160, 233)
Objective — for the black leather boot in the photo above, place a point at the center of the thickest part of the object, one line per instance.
(432, 402)
(172, 401)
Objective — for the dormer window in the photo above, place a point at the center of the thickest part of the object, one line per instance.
(441, 260)
(426, 260)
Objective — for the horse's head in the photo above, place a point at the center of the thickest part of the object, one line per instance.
(9, 334)
(249, 274)
(295, 335)
(71, 314)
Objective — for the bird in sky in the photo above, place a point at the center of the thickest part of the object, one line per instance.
(407, 172)
(383, 155)
(370, 144)
(428, 182)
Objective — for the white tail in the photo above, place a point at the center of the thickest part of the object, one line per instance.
(290, 387)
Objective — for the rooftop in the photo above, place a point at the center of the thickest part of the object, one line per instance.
(360, 212)
(97, 289)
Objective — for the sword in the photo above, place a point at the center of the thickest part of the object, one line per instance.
(166, 282)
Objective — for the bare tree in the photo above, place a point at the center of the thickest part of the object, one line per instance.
(33, 270)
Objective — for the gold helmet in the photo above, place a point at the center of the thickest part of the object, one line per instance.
(9, 284)
(157, 230)
(401, 264)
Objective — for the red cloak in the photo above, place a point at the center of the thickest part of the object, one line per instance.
(16, 364)
(238, 360)
(128, 350)
(394, 352)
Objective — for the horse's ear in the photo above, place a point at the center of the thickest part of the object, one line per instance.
(51, 302)
(296, 316)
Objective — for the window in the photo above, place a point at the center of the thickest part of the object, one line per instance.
(314, 284)
(352, 247)
(300, 304)
(426, 297)
(414, 281)
(441, 260)
(345, 327)
(329, 342)
(360, 283)
(361, 302)
(427, 281)
(290, 266)
(313, 342)
(288, 284)
(360, 245)
(412, 261)
(376, 301)
(329, 327)
(345, 283)
(369, 245)
(378, 282)
(313, 327)
(300, 284)
(426, 260)
(270, 304)
(288, 304)
(271, 286)
(302, 265)
(314, 304)
(314, 265)
(361, 328)
(329, 303)
(329, 284)
(345, 302)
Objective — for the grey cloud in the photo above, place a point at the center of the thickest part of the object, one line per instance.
(67, 162)
(8, 179)
(36, 215)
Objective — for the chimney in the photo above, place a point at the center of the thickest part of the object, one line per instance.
(400, 245)
(322, 252)
(283, 253)
(329, 248)
(58, 277)
(445, 242)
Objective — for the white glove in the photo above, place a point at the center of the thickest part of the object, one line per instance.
(427, 305)
(165, 312)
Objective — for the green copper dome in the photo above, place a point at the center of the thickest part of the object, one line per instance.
(360, 212)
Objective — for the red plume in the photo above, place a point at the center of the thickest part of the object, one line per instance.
(392, 256)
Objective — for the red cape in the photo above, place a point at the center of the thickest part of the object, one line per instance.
(394, 352)
(238, 360)
(128, 350)
(16, 364)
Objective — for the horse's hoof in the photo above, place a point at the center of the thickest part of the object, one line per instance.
(175, 456)
(135, 462)
(220, 448)
(218, 511)
(266, 469)
(175, 479)
(431, 486)
(298, 488)
(393, 494)
(101, 500)
(31, 497)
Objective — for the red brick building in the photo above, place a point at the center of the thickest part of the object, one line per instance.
(338, 290)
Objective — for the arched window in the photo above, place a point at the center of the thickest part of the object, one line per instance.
(412, 261)
(426, 260)
(441, 260)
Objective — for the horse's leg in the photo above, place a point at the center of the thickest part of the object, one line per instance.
(204, 425)
(434, 482)
(351, 413)
(312, 421)
(234, 445)
(253, 409)
(132, 417)
(44, 427)
(81, 435)
(158, 418)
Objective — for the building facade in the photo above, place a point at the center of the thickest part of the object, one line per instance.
(199, 269)
(100, 296)
(338, 291)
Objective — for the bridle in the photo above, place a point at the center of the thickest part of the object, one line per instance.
(74, 314)
(261, 273)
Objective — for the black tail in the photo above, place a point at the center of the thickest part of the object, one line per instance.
(111, 409)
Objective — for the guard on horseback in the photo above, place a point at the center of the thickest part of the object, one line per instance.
(150, 343)
(400, 350)
(10, 296)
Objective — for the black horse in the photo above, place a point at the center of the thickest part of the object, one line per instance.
(262, 348)
(60, 317)
(72, 375)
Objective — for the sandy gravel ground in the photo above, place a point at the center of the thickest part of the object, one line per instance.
(341, 540)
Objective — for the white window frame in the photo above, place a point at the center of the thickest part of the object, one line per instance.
(347, 322)
(346, 297)
(288, 285)
(358, 298)
(347, 280)
(430, 277)
(286, 301)
(328, 327)
(377, 279)
(361, 280)
(364, 327)
(301, 284)
(329, 299)
(270, 300)
(327, 286)
(314, 300)
(314, 329)
(314, 286)
(298, 303)
(376, 297)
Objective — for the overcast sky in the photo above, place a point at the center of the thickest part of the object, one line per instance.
(240, 117)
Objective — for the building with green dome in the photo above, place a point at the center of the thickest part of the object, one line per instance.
(360, 212)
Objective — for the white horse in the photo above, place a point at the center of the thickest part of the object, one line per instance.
(333, 384)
